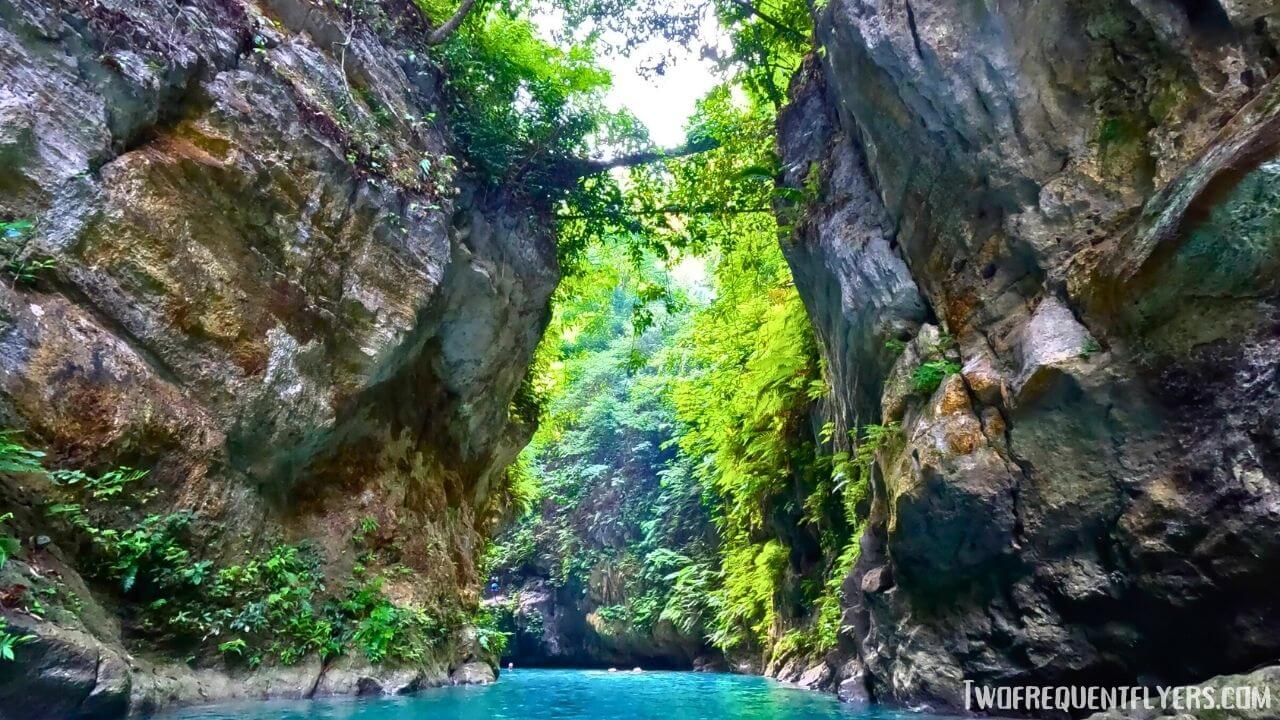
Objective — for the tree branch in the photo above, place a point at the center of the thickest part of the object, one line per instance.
(580, 167)
(668, 210)
(443, 32)
(776, 23)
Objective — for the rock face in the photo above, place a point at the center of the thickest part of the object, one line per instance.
(574, 596)
(1248, 706)
(565, 627)
(259, 254)
(1085, 195)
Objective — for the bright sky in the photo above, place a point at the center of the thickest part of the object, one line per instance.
(662, 102)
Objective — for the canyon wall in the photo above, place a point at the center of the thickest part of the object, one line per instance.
(253, 269)
(1070, 213)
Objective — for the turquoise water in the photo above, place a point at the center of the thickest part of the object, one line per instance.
(572, 695)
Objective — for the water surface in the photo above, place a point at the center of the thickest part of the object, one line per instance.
(573, 695)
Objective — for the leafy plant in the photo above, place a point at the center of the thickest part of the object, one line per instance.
(16, 458)
(274, 603)
(27, 271)
(233, 647)
(14, 229)
(9, 642)
(23, 269)
(107, 485)
(926, 378)
(691, 602)
(520, 104)
(9, 545)
(151, 550)
(488, 634)
(382, 630)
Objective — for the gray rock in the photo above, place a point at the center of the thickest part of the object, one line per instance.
(852, 687)
(1082, 195)
(473, 673)
(817, 677)
(1254, 696)
(63, 674)
(877, 579)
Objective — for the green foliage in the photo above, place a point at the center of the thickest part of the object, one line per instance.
(384, 631)
(272, 605)
(366, 529)
(9, 545)
(519, 103)
(16, 458)
(876, 439)
(489, 634)
(826, 623)
(152, 549)
(768, 39)
(523, 486)
(233, 647)
(929, 375)
(612, 492)
(714, 393)
(9, 642)
(107, 485)
(270, 602)
(743, 404)
(692, 603)
(747, 600)
(22, 268)
(14, 229)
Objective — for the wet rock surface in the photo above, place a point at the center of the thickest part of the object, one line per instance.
(1076, 203)
(242, 290)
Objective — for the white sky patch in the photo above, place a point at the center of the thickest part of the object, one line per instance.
(690, 274)
(662, 102)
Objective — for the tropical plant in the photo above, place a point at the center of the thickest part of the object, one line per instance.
(929, 375)
(9, 642)
(16, 458)
(9, 545)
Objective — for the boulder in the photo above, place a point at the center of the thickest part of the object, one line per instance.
(473, 673)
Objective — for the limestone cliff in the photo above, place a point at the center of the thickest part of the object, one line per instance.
(1075, 205)
(253, 269)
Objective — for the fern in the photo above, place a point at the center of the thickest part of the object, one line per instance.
(17, 458)
(926, 378)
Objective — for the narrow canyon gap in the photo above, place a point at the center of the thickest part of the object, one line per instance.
(979, 381)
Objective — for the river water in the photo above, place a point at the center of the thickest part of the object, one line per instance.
(573, 695)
